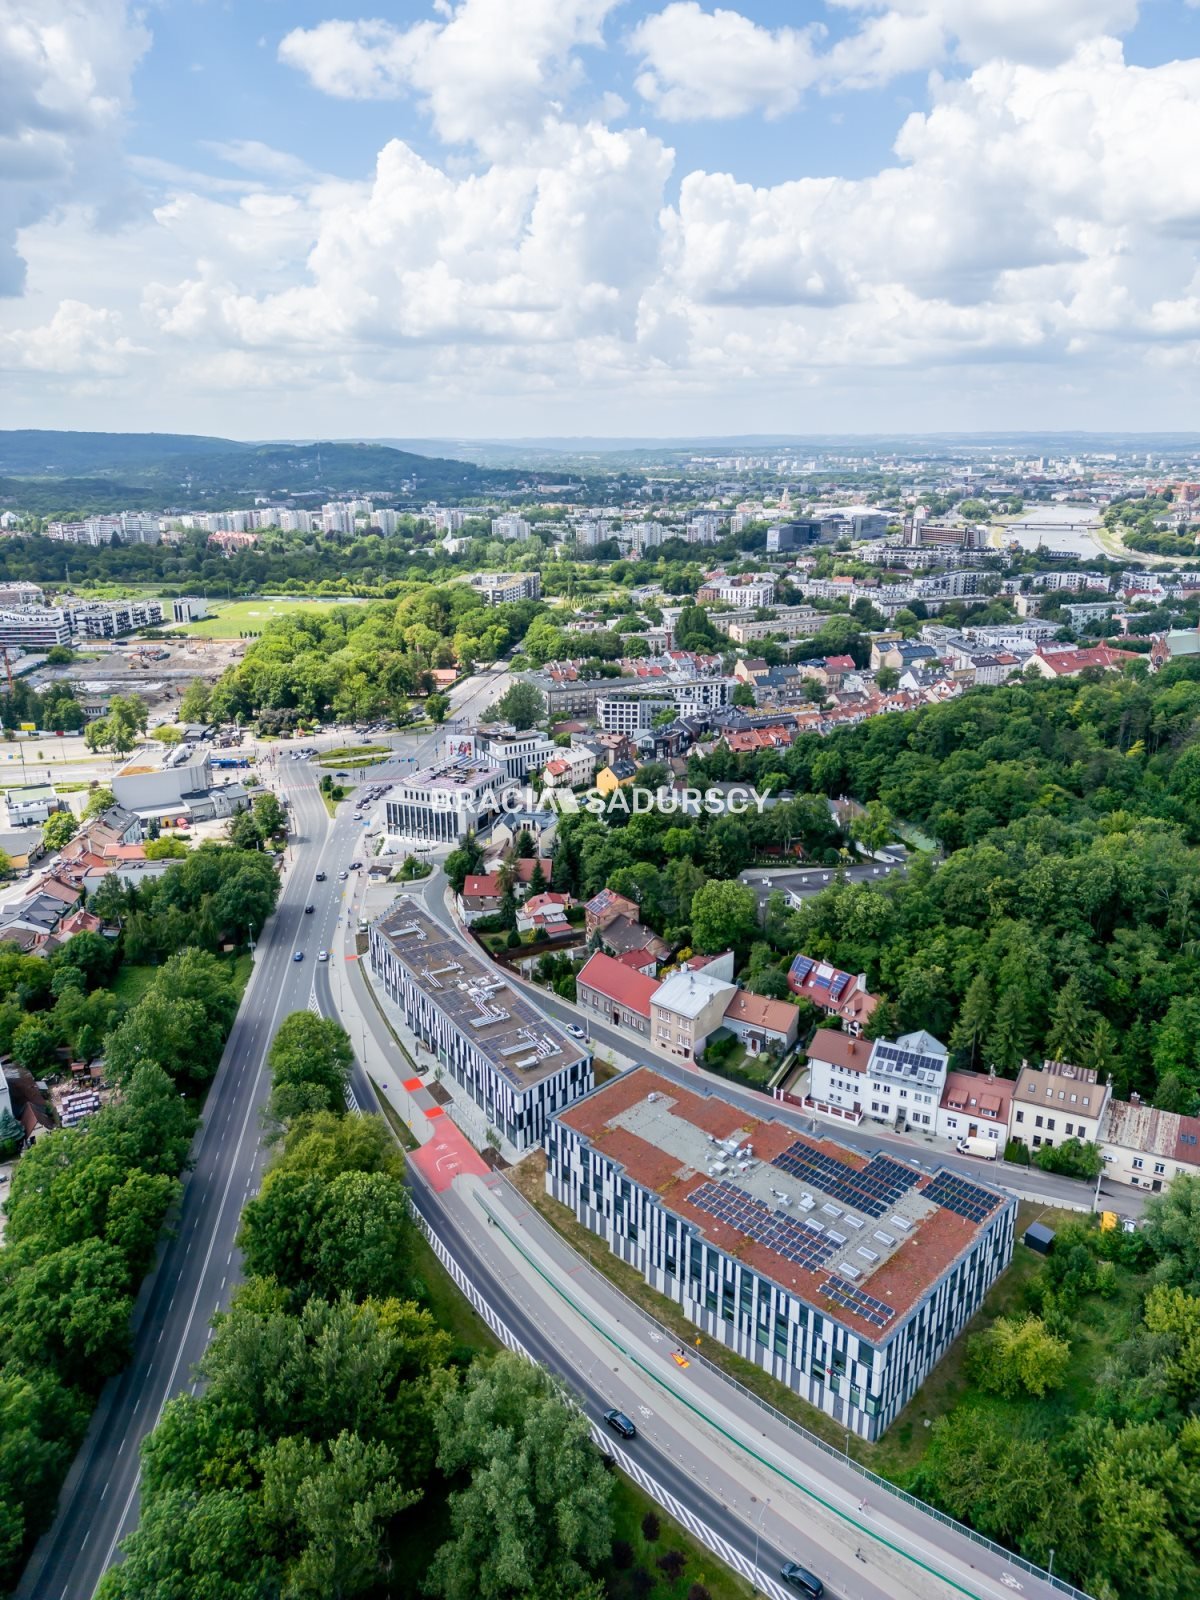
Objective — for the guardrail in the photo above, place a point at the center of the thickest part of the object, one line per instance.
(662, 1496)
(1010, 1556)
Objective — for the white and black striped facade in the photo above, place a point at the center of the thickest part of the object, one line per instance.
(517, 1104)
(862, 1383)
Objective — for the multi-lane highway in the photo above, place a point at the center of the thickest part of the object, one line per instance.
(199, 1264)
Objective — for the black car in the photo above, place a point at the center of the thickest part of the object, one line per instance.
(620, 1423)
(801, 1578)
(308, 910)
(320, 877)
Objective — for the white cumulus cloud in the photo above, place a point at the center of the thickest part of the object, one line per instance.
(79, 340)
(489, 67)
(65, 71)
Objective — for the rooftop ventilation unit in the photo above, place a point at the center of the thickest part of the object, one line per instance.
(807, 1202)
(836, 1238)
(852, 1221)
(847, 1270)
(902, 1223)
(831, 1210)
(867, 1255)
(884, 1238)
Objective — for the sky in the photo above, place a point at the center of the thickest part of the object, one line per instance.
(508, 218)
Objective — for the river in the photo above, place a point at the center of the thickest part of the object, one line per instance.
(1056, 527)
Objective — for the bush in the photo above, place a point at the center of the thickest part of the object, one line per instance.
(672, 1564)
(1017, 1152)
(622, 1555)
(651, 1527)
(698, 1592)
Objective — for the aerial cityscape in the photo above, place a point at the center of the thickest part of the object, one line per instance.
(600, 769)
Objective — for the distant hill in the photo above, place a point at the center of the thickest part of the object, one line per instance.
(46, 472)
(43, 452)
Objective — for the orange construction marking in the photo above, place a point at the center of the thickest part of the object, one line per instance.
(680, 1360)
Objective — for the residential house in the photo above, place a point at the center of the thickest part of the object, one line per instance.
(482, 892)
(32, 804)
(623, 936)
(837, 1065)
(545, 915)
(838, 994)
(975, 1105)
(1145, 1147)
(603, 907)
(899, 1082)
(1067, 663)
(571, 767)
(685, 1009)
(613, 993)
(1055, 1102)
(762, 1024)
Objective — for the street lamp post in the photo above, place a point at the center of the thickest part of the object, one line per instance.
(757, 1537)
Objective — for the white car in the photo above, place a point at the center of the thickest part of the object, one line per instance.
(574, 1030)
(322, 955)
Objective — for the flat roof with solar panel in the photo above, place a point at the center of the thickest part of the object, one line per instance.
(869, 1234)
(964, 1198)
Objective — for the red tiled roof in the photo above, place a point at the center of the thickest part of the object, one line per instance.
(841, 1049)
(610, 978)
(759, 1012)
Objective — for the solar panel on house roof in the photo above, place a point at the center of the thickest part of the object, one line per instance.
(840, 981)
(801, 968)
(857, 1300)
(958, 1195)
(762, 1224)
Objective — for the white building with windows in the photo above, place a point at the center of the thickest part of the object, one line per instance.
(843, 1276)
(899, 1082)
(685, 1009)
(518, 1068)
(443, 803)
(500, 588)
(510, 527)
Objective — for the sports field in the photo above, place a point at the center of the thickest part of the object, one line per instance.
(235, 619)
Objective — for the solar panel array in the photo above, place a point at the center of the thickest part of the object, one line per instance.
(792, 1240)
(909, 1062)
(872, 1189)
(863, 1305)
(801, 967)
(958, 1195)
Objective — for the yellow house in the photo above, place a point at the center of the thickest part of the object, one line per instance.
(610, 779)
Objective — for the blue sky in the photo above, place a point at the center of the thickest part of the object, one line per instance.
(529, 216)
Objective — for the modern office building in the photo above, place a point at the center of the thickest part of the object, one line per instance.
(631, 708)
(107, 619)
(515, 1065)
(442, 803)
(783, 536)
(846, 1278)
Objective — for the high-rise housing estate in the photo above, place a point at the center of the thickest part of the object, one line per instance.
(510, 527)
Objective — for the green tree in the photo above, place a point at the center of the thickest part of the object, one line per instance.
(270, 818)
(242, 831)
(99, 801)
(743, 695)
(521, 704)
(309, 1061)
(534, 1518)
(973, 1022)
(194, 702)
(437, 707)
(58, 830)
(723, 916)
(1018, 1353)
(1071, 1027)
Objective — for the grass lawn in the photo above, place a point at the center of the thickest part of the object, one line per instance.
(132, 981)
(353, 752)
(755, 1072)
(233, 619)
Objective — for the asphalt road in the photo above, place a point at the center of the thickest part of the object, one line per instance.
(199, 1265)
